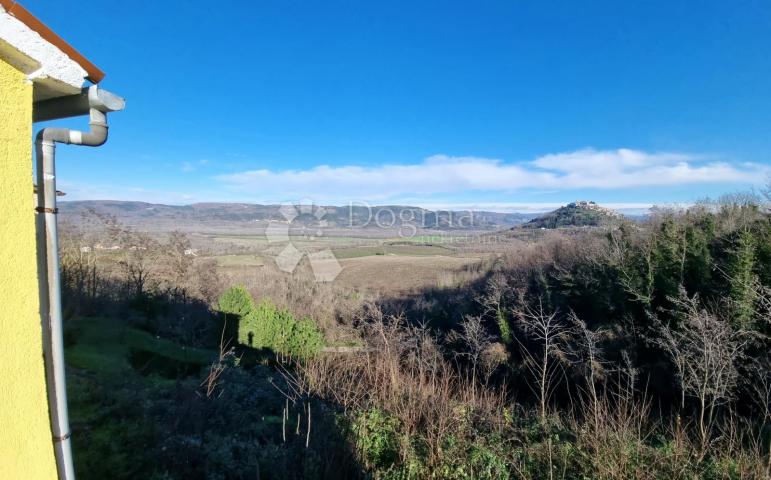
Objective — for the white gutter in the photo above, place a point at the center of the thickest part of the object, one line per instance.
(97, 103)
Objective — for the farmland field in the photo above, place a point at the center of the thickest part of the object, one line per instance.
(239, 260)
(402, 273)
(368, 264)
(242, 240)
(392, 250)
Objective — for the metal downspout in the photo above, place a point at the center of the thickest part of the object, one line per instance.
(48, 271)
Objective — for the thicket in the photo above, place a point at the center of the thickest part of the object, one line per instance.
(266, 326)
(639, 351)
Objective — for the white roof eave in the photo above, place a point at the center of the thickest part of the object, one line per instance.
(42, 61)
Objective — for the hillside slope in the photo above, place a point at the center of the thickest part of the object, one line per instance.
(576, 214)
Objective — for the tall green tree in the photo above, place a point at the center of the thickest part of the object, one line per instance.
(742, 279)
(669, 257)
(697, 274)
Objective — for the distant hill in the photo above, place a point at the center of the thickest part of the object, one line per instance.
(577, 214)
(164, 217)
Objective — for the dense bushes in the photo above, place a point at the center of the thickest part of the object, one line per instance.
(264, 325)
(236, 301)
(377, 435)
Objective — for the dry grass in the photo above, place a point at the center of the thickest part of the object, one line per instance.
(239, 261)
(396, 274)
(405, 374)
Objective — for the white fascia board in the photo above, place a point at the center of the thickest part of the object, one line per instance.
(44, 60)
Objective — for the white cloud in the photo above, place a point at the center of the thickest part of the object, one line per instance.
(442, 174)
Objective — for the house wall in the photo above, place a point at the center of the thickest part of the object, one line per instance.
(26, 449)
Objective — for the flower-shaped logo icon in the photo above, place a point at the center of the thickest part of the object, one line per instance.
(324, 263)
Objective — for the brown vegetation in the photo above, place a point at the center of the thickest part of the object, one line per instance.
(637, 351)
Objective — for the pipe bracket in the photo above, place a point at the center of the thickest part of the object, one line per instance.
(62, 438)
(46, 210)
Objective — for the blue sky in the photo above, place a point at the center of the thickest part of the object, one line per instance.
(502, 105)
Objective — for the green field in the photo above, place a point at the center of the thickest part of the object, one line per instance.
(107, 345)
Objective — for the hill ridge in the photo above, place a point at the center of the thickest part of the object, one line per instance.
(140, 213)
(581, 213)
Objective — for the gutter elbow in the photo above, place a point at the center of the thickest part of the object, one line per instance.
(51, 135)
(98, 134)
(95, 138)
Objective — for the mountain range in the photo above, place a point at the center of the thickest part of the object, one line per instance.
(154, 216)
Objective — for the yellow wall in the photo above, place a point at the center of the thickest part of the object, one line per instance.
(26, 450)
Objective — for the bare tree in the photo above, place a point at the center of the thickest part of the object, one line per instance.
(138, 259)
(178, 257)
(550, 334)
(207, 280)
(765, 192)
(706, 351)
(475, 340)
(758, 376)
(758, 384)
(78, 262)
(81, 259)
(670, 343)
(587, 344)
(493, 300)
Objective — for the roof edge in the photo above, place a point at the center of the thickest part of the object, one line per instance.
(13, 8)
